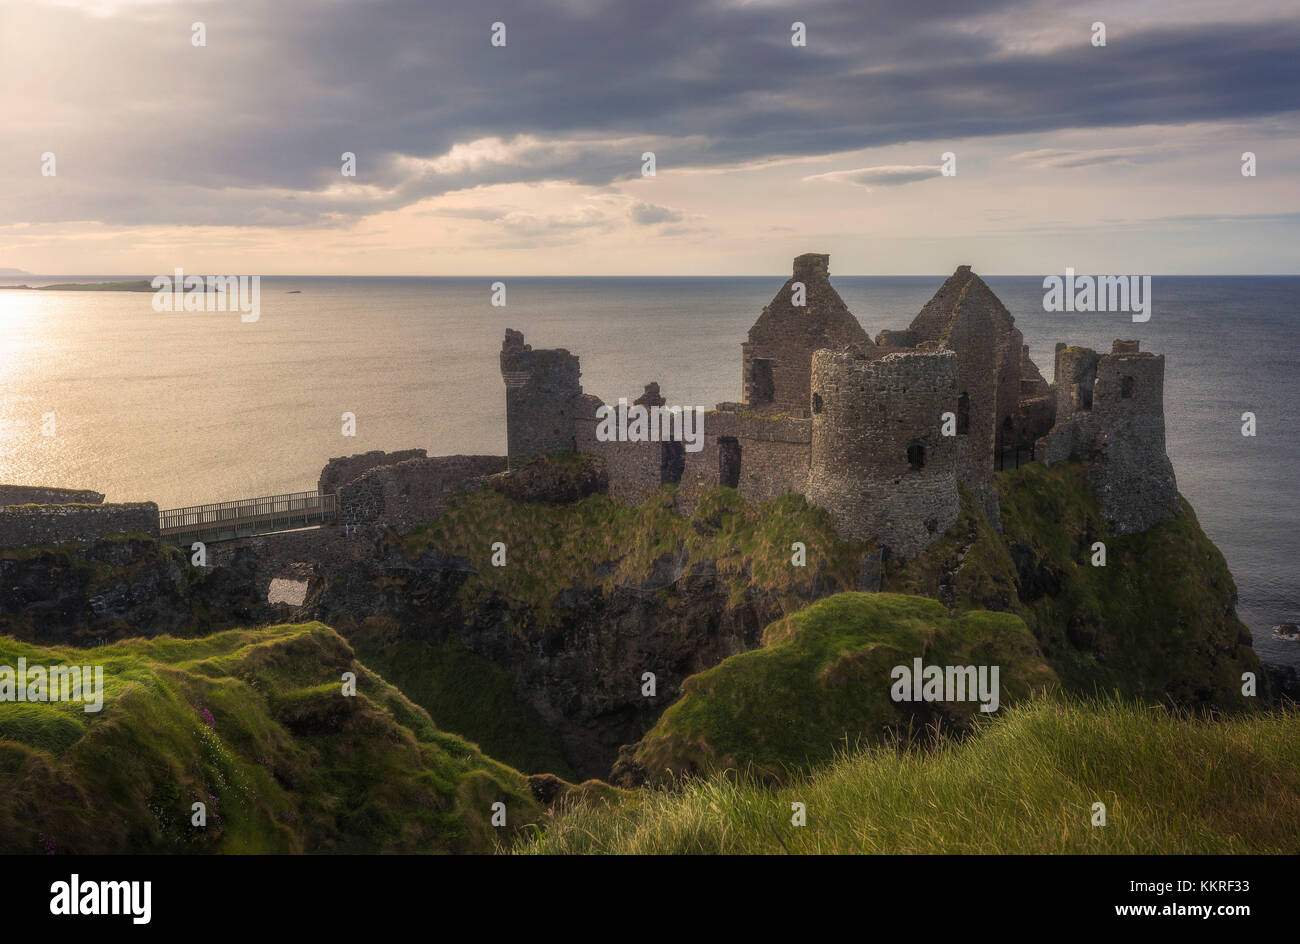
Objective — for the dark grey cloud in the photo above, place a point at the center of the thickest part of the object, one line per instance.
(251, 128)
(647, 214)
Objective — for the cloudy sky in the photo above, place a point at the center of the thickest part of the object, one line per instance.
(474, 159)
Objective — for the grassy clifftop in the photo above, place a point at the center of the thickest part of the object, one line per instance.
(254, 724)
(822, 681)
(1157, 621)
(600, 542)
(1025, 782)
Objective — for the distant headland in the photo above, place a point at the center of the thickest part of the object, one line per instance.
(134, 285)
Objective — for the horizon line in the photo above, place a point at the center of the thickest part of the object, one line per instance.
(746, 275)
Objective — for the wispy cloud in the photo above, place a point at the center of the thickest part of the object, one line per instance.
(894, 175)
(1065, 157)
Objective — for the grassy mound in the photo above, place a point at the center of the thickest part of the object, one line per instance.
(1025, 782)
(1157, 621)
(822, 680)
(254, 724)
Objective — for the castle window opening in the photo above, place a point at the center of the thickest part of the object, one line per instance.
(817, 403)
(672, 461)
(963, 414)
(916, 456)
(1083, 396)
(729, 461)
(1126, 387)
(761, 385)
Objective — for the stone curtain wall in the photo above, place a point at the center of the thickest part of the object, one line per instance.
(339, 472)
(36, 495)
(412, 492)
(55, 524)
(872, 412)
(774, 456)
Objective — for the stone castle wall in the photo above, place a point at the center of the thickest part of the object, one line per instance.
(542, 399)
(414, 491)
(37, 495)
(1110, 413)
(976, 341)
(785, 336)
(339, 472)
(856, 426)
(868, 416)
(767, 454)
(54, 524)
(635, 469)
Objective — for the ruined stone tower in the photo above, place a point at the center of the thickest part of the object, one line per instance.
(965, 317)
(775, 361)
(880, 464)
(542, 398)
(1110, 412)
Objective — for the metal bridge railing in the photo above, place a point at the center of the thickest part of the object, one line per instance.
(311, 507)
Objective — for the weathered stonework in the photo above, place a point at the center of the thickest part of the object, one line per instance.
(339, 472)
(38, 495)
(1110, 412)
(412, 492)
(775, 360)
(54, 524)
(828, 414)
(542, 398)
(880, 463)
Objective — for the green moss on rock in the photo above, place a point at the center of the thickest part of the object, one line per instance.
(1157, 621)
(821, 683)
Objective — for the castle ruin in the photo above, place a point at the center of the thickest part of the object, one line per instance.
(858, 426)
(881, 433)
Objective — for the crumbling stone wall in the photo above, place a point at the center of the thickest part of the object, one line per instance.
(55, 524)
(975, 339)
(414, 491)
(1110, 412)
(1037, 408)
(776, 359)
(771, 453)
(635, 469)
(850, 453)
(38, 495)
(874, 416)
(542, 397)
(339, 472)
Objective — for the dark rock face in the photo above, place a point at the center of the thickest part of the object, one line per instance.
(582, 669)
(1037, 578)
(111, 589)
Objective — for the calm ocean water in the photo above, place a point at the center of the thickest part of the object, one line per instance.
(186, 408)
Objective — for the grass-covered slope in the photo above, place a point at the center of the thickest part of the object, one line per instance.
(822, 680)
(600, 542)
(1025, 782)
(467, 693)
(1157, 621)
(254, 724)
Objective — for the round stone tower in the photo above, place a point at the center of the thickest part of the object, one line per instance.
(880, 463)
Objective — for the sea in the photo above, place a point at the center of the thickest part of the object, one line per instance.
(98, 390)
